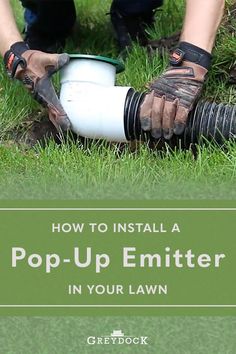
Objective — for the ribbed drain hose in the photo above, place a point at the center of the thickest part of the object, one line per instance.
(211, 121)
(208, 121)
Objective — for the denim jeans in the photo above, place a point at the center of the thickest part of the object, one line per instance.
(57, 17)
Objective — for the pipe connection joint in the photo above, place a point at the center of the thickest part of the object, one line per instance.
(96, 107)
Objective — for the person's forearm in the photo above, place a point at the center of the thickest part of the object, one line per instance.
(201, 22)
(9, 33)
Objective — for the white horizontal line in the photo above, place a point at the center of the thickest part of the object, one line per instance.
(117, 209)
(119, 306)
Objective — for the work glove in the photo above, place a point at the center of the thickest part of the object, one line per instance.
(165, 109)
(35, 69)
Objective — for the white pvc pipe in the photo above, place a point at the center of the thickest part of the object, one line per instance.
(89, 70)
(93, 104)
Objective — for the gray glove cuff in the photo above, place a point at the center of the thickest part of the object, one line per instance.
(13, 58)
(189, 52)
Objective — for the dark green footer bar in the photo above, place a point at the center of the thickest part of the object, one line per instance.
(155, 335)
(104, 258)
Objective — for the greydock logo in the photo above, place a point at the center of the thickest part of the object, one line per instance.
(117, 337)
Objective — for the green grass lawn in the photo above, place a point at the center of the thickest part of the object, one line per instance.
(97, 170)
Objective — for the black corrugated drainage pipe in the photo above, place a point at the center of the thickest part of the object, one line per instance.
(207, 121)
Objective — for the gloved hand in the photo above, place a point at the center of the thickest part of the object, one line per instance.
(165, 109)
(35, 69)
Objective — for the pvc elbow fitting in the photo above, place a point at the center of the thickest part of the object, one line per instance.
(94, 105)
